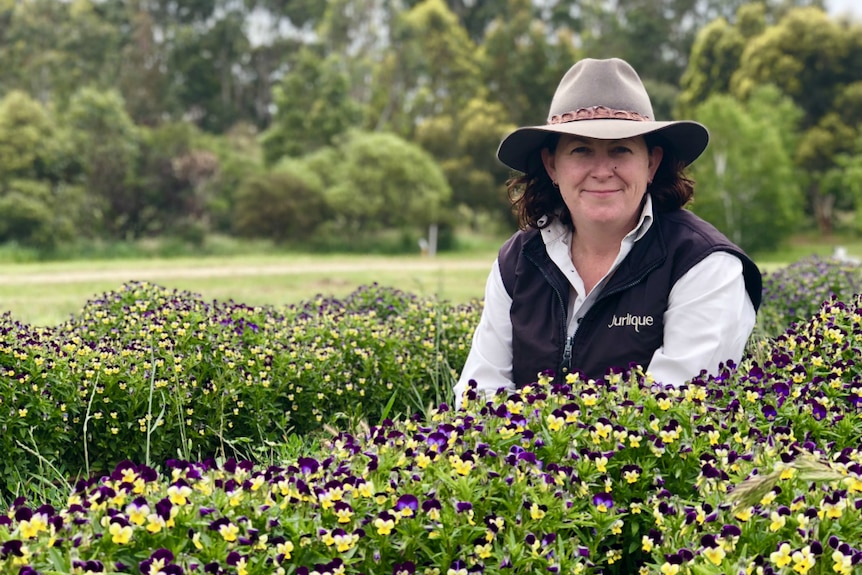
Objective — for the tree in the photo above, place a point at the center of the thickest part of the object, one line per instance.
(286, 204)
(38, 199)
(25, 133)
(464, 146)
(313, 107)
(205, 63)
(378, 181)
(746, 183)
(432, 70)
(523, 61)
(811, 58)
(107, 143)
(714, 58)
(51, 48)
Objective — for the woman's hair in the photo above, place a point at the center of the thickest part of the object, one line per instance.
(533, 194)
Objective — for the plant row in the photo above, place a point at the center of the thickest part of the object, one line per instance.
(755, 470)
(145, 373)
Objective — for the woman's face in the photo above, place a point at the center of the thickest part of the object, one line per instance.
(602, 181)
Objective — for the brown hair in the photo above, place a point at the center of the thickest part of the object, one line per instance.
(533, 194)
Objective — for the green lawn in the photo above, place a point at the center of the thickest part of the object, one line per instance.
(48, 293)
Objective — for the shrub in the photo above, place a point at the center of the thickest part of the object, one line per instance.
(755, 470)
(284, 205)
(795, 293)
(147, 373)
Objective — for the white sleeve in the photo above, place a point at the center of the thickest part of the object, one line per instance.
(707, 322)
(490, 359)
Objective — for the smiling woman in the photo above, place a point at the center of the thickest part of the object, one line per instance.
(608, 269)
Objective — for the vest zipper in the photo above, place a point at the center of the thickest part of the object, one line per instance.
(567, 352)
(564, 327)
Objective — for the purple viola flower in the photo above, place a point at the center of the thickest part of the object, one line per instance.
(160, 558)
(437, 440)
(817, 410)
(463, 506)
(163, 508)
(430, 505)
(12, 547)
(405, 502)
(234, 558)
(603, 501)
(406, 568)
(308, 465)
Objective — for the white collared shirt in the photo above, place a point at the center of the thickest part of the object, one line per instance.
(707, 322)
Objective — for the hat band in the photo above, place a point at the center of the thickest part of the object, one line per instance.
(597, 113)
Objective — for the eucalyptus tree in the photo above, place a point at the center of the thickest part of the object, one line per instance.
(107, 143)
(39, 199)
(377, 181)
(524, 59)
(816, 61)
(747, 185)
(50, 48)
(313, 107)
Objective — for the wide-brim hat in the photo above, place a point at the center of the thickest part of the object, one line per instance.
(602, 99)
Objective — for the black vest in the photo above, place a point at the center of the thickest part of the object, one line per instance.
(625, 326)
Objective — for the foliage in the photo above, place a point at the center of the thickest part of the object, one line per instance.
(796, 292)
(782, 55)
(314, 107)
(524, 61)
(25, 128)
(107, 143)
(747, 186)
(457, 141)
(36, 217)
(451, 76)
(294, 205)
(757, 469)
(147, 373)
(379, 181)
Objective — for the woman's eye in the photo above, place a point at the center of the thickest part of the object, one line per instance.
(622, 150)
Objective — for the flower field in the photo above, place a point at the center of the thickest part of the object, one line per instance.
(170, 415)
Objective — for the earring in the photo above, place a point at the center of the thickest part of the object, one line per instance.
(555, 184)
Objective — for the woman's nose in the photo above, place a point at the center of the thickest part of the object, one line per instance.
(603, 166)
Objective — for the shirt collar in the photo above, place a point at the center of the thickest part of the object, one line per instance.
(556, 230)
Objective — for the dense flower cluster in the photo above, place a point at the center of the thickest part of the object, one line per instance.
(145, 373)
(756, 470)
(795, 292)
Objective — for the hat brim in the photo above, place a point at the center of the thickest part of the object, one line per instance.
(689, 139)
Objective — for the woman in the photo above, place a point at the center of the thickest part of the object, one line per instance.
(607, 270)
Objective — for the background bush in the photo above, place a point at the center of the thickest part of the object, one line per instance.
(796, 292)
(145, 373)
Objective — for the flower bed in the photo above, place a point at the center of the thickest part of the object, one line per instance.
(756, 470)
(795, 292)
(145, 373)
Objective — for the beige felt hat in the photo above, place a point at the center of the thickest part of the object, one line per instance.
(602, 99)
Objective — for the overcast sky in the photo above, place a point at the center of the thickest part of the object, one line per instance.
(845, 6)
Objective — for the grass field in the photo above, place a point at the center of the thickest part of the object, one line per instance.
(49, 293)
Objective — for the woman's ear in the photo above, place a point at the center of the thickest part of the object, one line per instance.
(655, 156)
(549, 161)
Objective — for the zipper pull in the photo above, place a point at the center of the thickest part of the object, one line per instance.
(567, 353)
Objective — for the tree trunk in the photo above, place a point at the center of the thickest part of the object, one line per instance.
(823, 207)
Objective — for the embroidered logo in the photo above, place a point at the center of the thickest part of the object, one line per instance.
(629, 320)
